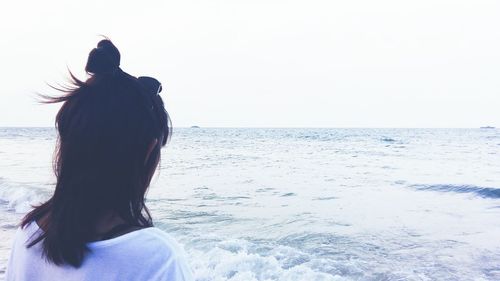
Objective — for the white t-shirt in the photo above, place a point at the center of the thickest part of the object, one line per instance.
(145, 254)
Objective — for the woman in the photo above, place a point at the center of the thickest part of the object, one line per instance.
(111, 129)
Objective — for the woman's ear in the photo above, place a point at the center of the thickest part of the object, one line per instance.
(150, 149)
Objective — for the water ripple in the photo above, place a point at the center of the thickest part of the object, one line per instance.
(485, 192)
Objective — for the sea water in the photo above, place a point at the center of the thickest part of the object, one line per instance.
(305, 204)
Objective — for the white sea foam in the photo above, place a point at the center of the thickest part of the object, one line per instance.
(231, 260)
(20, 198)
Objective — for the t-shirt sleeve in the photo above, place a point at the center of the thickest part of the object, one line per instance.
(10, 271)
(177, 269)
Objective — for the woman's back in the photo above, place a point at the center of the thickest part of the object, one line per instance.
(145, 254)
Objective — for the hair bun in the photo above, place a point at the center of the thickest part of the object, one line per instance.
(103, 59)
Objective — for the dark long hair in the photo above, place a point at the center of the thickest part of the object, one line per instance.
(106, 126)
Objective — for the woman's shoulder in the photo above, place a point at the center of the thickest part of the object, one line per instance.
(143, 239)
(160, 240)
(163, 254)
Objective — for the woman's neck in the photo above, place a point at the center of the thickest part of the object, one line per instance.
(103, 225)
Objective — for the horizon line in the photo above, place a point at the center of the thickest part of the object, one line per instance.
(282, 127)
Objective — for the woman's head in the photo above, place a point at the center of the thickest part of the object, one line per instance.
(111, 128)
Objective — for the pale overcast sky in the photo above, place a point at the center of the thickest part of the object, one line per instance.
(232, 63)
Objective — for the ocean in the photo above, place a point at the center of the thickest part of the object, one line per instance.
(305, 204)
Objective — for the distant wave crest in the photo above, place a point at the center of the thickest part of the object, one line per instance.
(485, 192)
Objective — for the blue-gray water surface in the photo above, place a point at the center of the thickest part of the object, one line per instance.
(305, 204)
